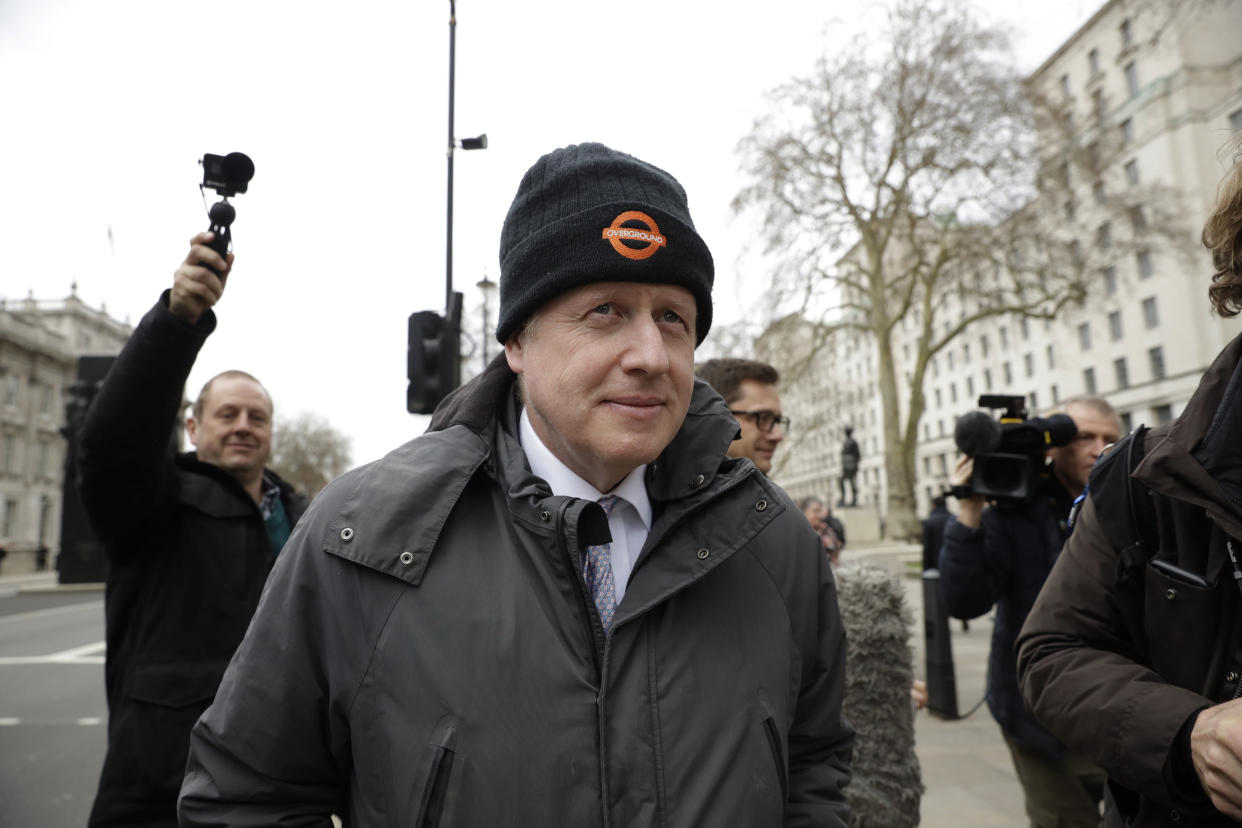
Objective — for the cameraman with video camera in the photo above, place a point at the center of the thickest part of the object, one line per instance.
(999, 555)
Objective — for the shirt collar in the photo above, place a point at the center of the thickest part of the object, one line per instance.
(563, 481)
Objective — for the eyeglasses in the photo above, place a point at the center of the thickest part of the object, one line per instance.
(765, 420)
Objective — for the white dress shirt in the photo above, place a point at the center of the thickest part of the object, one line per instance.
(630, 519)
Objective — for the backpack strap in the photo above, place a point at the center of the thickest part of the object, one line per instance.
(1141, 540)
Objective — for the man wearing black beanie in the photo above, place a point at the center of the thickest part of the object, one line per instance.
(564, 604)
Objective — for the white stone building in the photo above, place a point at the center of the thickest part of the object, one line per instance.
(40, 342)
(1169, 92)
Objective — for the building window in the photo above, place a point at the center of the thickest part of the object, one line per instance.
(970, 387)
(983, 345)
(935, 367)
(1163, 413)
(1110, 281)
(1114, 326)
(1138, 220)
(1024, 327)
(940, 427)
(1151, 316)
(1070, 215)
(1126, 424)
(1155, 357)
(11, 387)
(1143, 258)
(987, 380)
(1004, 338)
(1008, 373)
(1065, 87)
(1052, 357)
(1235, 121)
(1132, 80)
(1028, 364)
(1132, 173)
(1075, 251)
(10, 517)
(43, 459)
(1084, 336)
(1088, 380)
(1104, 236)
(1099, 193)
(966, 353)
(953, 392)
(45, 399)
(1127, 132)
(1034, 401)
(1098, 107)
(1093, 62)
(1056, 394)
(1122, 372)
(10, 454)
(949, 357)
(1127, 34)
(927, 465)
(936, 395)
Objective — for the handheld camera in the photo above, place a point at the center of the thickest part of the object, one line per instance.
(1009, 454)
(228, 175)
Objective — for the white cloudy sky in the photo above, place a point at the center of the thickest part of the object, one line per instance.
(105, 109)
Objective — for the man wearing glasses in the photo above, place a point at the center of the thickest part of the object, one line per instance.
(749, 388)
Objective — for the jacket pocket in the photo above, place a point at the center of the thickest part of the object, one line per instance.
(1179, 615)
(776, 745)
(176, 684)
(442, 749)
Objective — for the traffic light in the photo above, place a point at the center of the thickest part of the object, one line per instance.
(433, 357)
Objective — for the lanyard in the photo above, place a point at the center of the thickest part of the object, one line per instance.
(1237, 570)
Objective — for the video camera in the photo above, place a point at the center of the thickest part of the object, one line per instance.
(228, 175)
(1009, 454)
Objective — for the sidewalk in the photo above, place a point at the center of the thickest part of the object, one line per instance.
(967, 772)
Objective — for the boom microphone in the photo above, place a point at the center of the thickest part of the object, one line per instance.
(976, 433)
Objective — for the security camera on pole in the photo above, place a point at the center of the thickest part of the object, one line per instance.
(433, 364)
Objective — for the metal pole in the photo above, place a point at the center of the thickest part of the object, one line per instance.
(448, 248)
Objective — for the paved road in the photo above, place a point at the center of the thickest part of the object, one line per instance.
(53, 713)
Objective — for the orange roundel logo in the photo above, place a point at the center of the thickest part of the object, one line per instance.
(649, 235)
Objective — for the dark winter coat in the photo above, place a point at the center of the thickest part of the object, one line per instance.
(426, 652)
(188, 554)
(1004, 563)
(1116, 667)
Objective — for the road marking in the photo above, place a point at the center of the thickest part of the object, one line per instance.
(85, 721)
(94, 606)
(77, 655)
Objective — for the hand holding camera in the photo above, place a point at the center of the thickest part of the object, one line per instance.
(199, 282)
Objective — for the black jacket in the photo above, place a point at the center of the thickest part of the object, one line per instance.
(1005, 563)
(426, 652)
(188, 555)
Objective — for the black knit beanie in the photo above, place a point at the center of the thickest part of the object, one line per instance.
(586, 213)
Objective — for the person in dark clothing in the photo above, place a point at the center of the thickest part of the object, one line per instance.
(933, 532)
(851, 456)
(1000, 556)
(190, 538)
(564, 604)
(1131, 653)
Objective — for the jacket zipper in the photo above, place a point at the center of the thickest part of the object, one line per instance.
(778, 755)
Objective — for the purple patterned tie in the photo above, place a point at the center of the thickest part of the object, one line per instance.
(597, 572)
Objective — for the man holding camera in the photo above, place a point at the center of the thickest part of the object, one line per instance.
(190, 538)
(1000, 555)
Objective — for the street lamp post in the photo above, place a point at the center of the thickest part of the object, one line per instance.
(478, 142)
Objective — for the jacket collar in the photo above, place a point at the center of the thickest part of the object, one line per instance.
(1199, 459)
(407, 496)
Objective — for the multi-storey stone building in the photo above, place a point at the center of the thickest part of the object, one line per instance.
(40, 342)
(1164, 89)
